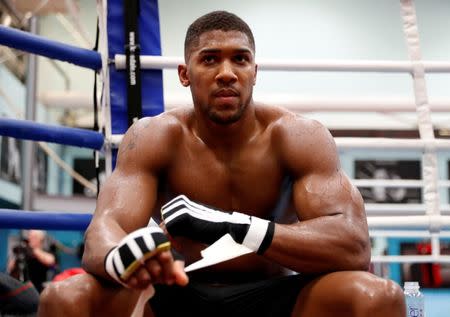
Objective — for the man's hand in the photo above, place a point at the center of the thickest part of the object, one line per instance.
(142, 258)
(44, 257)
(186, 218)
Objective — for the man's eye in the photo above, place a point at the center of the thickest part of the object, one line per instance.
(240, 58)
(209, 59)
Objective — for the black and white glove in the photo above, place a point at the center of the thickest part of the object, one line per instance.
(133, 250)
(198, 222)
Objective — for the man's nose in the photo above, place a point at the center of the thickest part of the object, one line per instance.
(226, 73)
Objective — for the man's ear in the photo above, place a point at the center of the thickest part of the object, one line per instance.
(183, 75)
(256, 72)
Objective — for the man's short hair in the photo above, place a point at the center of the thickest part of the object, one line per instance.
(216, 20)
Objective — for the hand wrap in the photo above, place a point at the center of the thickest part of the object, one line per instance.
(186, 218)
(133, 250)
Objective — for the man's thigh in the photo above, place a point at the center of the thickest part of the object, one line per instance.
(85, 295)
(349, 293)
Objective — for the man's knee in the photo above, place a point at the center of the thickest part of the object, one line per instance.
(85, 295)
(370, 295)
(66, 298)
(350, 294)
(381, 294)
(48, 301)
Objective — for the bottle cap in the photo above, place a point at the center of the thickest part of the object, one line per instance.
(412, 285)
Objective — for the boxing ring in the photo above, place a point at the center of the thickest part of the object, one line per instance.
(429, 220)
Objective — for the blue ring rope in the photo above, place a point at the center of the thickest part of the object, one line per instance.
(29, 130)
(42, 46)
(20, 219)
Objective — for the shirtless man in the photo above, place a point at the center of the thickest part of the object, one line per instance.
(34, 258)
(228, 153)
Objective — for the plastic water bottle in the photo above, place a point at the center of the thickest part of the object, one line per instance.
(414, 300)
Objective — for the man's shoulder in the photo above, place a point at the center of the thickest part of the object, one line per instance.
(157, 134)
(166, 124)
(151, 141)
(299, 140)
(170, 118)
(284, 120)
(272, 112)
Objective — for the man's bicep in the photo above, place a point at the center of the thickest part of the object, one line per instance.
(326, 194)
(128, 198)
(129, 195)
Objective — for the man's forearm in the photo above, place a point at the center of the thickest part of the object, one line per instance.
(184, 217)
(101, 236)
(324, 244)
(44, 257)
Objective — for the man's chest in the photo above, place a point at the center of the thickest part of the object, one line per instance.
(248, 180)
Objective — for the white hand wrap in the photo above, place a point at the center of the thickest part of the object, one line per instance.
(133, 250)
(184, 217)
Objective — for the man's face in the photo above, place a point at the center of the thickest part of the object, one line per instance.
(221, 72)
(35, 238)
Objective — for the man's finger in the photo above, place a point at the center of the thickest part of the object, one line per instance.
(181, 277)
(143, 277)
(132, 282)
(166, 261)
(154, 268)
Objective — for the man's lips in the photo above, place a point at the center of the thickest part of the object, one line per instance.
(225, 93)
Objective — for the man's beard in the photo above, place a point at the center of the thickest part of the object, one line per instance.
(217, 118)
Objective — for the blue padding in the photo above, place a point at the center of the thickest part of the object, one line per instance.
(152, 84)
(42, 46)
(19, 219)
(29, 130)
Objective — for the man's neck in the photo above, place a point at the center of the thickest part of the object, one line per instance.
(227, 136)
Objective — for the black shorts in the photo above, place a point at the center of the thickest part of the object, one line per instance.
(272, 297)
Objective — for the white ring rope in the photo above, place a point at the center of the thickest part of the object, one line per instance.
(411, 258)
(388, 143)
(434, 223)
(403, 210)
(406, 233)
(352, 142)
(294, 102)
(392, 209)
(377, 66)
(308, 103)
(404, 183)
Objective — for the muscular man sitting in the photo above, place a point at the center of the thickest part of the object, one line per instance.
(221, 168)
